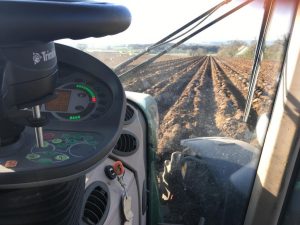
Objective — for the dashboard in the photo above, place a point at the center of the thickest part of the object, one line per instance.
(91, 125)
(85, 118)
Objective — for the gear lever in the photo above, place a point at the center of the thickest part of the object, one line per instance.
(28, 80)
(38, 130)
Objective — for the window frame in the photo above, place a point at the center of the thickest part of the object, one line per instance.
(282, 142)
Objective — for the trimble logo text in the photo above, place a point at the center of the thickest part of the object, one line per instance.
(43, 56)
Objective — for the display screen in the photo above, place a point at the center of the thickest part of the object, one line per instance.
(60, 103)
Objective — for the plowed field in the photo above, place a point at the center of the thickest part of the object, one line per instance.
(205, 96)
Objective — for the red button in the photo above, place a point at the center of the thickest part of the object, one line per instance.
(49, 136)
(119, 168)
(11, 163)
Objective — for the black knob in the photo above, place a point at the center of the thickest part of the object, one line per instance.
(110, 173)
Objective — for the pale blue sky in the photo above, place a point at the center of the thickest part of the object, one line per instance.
(154, 19)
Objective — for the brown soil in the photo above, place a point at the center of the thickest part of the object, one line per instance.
(205, 96)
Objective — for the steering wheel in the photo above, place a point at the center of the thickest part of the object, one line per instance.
(44, 21)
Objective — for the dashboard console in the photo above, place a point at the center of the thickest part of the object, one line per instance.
(90, 122)
(85, 121)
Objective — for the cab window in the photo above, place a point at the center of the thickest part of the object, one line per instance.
(208, 147)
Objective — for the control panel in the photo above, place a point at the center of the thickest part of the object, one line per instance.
(79, 99)
(85, 118)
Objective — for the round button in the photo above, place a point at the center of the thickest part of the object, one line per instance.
(56, 141)
(46, 144)
(32, 156)
(61, 157)
(109, 172)
(49, 136)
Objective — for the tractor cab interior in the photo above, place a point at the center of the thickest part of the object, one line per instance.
(199, 128)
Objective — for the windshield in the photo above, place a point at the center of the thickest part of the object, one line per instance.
(207, 152)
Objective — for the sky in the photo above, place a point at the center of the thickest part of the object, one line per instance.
(154, 19)
(151, 20)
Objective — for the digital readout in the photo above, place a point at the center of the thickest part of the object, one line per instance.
(61, 102)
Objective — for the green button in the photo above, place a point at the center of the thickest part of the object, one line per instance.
(32, 156)
(46, 144)
(57, 141)
(61, 157)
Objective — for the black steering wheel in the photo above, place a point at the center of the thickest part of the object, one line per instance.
(24, 21)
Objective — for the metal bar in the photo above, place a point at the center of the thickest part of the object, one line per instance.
(258, 58)
(127, 62)
(38, 130)
(189, 30)
(122, 76)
